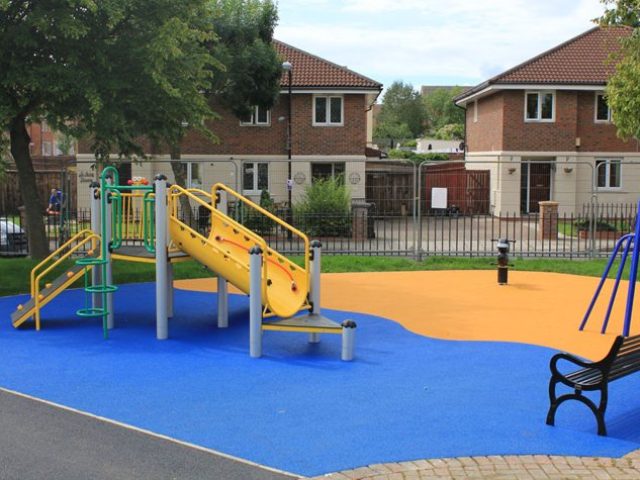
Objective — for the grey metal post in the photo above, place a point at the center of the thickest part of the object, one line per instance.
(314, 293)
(96, 272)
(109, 267)
(223, 287)
(348, 339)
(170, 291)
(255, 302)
(162, 277)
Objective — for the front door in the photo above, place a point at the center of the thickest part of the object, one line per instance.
(535, 184)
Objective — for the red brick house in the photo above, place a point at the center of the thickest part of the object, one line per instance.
(330, 111)
(548, 124)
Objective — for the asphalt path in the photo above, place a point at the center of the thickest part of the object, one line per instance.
(39, 440)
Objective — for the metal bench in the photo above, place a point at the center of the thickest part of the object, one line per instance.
(623, 359)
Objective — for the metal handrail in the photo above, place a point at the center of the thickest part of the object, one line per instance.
(35, 280)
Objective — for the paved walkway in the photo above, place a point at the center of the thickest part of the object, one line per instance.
(525, 467)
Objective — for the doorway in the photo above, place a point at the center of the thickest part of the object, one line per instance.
(535, 183)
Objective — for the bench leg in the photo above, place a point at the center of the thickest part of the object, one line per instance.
(598, 411)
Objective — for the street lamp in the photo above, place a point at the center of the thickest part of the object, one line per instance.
(288, 67)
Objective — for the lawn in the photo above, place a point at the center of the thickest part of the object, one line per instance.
(14, 272)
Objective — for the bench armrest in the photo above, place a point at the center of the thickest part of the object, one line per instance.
(553, 365)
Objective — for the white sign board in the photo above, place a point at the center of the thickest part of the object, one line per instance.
(438, 198)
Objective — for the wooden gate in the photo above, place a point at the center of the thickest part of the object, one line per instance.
(467, 190)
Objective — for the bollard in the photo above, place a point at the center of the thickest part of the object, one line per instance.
(348, 339)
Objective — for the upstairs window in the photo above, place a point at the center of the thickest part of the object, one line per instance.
(608, 173)
(327, 111)
(539, 107)
(603, 112)
(258, 117)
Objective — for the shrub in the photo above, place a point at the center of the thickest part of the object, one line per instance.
(324, 210)
(256, 221)
(601, 226)
(417, 157)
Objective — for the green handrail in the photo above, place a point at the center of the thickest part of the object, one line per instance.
(149, 223)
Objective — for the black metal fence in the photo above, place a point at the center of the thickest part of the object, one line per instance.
(366, 231)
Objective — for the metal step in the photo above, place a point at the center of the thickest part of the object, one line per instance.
(48, 293)
(311, 323)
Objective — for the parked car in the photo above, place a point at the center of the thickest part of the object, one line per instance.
(13, 240)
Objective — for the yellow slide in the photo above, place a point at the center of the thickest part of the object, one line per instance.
(225, 251)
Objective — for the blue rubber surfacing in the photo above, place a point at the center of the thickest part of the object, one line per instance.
(299, 408)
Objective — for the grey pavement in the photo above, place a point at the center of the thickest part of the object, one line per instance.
(41, 441)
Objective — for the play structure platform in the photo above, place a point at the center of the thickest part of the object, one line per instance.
(153, 224)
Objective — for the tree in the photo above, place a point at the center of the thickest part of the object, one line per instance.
(119, 69)
(401, 105)
(451, 131)
(252, 69)
(441, 110)
(392, 132)
(623, 88)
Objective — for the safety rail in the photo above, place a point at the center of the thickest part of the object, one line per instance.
(221, 187)
(36, 276)
(176, 191)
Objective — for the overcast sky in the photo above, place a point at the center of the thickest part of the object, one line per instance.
(428, 42)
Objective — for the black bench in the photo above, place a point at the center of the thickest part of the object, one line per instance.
(623, 359)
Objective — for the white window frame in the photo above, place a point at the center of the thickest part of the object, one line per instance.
(327, 122)
(47, 149)
(607, 166)
(475, 111)
(255, 190)
(254, 119)
(595, 109)
(190, 178)
(539, 118)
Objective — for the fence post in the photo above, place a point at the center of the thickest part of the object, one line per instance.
(548, 221)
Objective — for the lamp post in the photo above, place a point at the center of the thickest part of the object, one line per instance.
(288, 67)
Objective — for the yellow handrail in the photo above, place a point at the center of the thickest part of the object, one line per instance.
(176, 191)
(268, 214)
(35, 280)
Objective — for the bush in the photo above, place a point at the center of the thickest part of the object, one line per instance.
(410, 143)
(324, 210)
(417, 157)
(256, 221)
(601, 226)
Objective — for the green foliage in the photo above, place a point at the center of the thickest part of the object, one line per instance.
(621, 12)
(417, 157)
(403, 113)
(441, 110)
(413, 143)
(452, 131)
(244, 30)
(388, 132)
(65, 143)
(324, 210)
(256, 221)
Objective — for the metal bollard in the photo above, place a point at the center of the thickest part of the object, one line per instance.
(348, 339)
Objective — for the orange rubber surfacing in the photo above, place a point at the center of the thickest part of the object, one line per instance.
(535, 308)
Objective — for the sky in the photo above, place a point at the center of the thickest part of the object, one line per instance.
(429, 42)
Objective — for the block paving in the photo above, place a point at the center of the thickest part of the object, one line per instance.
(498, 467)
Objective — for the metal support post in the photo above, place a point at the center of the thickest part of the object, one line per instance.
(223, 287)
(170, 291)
(314, 292)
(108, 238)
(255, 302)
(96, 273)
(348, 339)
(162, 277)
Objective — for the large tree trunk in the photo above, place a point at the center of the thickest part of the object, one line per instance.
(180, 175)
(38, 243)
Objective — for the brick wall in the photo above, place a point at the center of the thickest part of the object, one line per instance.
(501, 126)
(237, 140)
(485, 135)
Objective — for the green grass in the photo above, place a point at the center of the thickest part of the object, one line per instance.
(14, 272)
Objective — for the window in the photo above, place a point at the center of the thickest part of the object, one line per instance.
(45, 126)
(193, 178)
(603, 112)
(258, 116)
(475, 111)
(322, 171)
(46, 149)
(608, 173)
(327, 111)
(539, 107)
(255, 177)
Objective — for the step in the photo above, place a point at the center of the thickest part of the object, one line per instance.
(310, 323)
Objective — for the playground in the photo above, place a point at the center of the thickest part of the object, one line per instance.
(441, 364)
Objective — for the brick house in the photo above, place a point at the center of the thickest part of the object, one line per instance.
(330, 128)
(548, 124)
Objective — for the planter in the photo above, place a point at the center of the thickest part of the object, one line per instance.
(600, 235)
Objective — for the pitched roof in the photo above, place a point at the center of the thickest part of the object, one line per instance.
(581, 60)
(310, 71)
